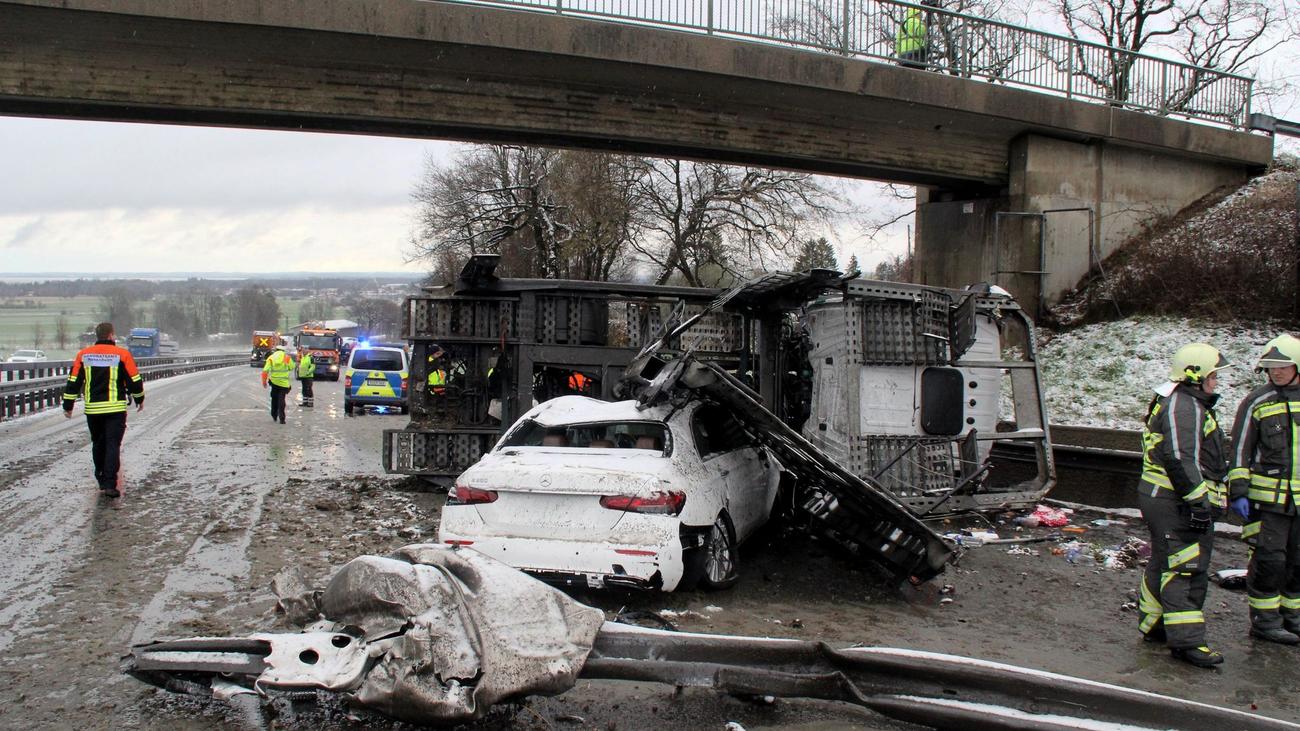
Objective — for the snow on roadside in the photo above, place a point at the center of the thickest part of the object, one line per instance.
(1102, 374)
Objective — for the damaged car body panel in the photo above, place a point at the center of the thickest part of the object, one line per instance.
(437, 635)
(605, 494)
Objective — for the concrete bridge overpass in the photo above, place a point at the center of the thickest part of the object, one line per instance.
(991, 159)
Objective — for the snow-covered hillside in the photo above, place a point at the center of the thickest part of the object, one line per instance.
(1102, 374)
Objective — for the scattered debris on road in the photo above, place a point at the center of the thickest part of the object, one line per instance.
(432, 634)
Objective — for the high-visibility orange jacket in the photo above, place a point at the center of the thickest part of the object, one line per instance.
(102, 375)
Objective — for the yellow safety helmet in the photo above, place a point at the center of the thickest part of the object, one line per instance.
(1192, 363)
(1281, 351)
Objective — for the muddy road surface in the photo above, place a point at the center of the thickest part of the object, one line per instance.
(219, 499)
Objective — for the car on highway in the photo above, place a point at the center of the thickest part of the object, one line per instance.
(376, 376)
(599, 494)
(27, 356)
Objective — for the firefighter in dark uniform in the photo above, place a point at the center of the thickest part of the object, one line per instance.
(105, 378)
(1265, 486)
(1184, 464)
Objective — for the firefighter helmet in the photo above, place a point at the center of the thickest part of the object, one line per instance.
(1281, 351)
(1192, 363)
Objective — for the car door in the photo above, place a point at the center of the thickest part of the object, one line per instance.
(733, 462)
(750, 487)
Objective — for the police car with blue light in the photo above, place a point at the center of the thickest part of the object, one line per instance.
(376, 376)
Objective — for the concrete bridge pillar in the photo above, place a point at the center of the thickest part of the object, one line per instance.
(1068, 205)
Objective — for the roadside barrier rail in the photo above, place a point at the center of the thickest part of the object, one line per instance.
(961, 45)
(29, 387)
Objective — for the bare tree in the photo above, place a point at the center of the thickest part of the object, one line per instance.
(61, 333)
(1227, 36)
(599, 196)
(492, 199)
(118, 303)
(38, 334)
(706, 216)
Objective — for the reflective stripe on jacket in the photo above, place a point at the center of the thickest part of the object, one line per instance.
(911, 33)
(102, 375)
(306, 367)
(438, 381)
(278, 369)
(1183, 452)
(1266, 451)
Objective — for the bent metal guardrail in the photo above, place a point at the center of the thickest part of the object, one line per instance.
(29, 387)
(961, 45)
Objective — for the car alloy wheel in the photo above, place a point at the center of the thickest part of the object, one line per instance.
(719, 555)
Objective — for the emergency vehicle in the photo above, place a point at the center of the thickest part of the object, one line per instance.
(322, 344)
(264, 341)
(376, 376)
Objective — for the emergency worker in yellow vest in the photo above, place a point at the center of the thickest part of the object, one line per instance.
(105, 378)
(437, 370)
(278, 371)
(911, 42)
(306, 375)
(1184, 464)
(1265, 486)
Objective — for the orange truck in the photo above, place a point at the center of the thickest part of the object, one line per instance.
(264, 341)
(322, 344)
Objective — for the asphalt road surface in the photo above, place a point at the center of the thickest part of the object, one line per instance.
(219, 499)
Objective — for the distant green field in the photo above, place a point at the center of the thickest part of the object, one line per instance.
(19, 317)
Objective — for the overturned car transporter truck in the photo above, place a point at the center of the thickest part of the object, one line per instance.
(881, 399)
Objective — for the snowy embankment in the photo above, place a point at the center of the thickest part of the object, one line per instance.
(1102, 374)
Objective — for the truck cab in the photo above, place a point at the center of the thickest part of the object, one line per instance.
(144, 342)
(322, 344)
(264, 342)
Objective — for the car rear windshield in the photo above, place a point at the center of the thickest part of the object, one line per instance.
(376, 360)
(649, 435)
(25, 354)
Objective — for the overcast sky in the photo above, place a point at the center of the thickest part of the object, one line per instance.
(111, 198)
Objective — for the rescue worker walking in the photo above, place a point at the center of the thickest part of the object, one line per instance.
(104, 377)
(1265, 486)
(278, 370)
(1184, 463)
(306, 374)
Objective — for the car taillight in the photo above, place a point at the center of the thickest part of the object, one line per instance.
(462, 495)
(656, 503)
(403, 385)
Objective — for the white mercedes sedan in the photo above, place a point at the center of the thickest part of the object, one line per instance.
(597, 494)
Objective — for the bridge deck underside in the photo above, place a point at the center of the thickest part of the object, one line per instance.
(737, 102)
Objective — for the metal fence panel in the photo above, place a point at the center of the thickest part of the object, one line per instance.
(961, 45)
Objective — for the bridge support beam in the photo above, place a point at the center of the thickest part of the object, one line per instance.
(1068, 205)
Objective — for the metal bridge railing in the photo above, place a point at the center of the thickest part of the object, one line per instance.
(29, 387)
(961, 45)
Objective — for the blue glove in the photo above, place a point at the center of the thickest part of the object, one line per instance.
(1241, 506)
